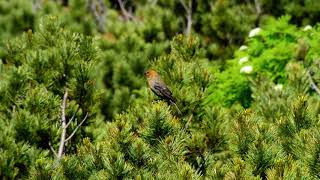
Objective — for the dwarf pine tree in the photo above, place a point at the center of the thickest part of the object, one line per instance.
(151, 139)
(37, 70)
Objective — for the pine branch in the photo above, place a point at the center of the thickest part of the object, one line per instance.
(53, 151)
(75, 130)
(73, 116)
(313, 84)
(63, 126)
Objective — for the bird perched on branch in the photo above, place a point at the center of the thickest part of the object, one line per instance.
(157, 86)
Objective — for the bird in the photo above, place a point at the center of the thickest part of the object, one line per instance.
(158, 87)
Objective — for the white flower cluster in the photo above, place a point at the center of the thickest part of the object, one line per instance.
(243, 48)
(254, 32)
(246, 69)
(307, 28)
(243, 60)
(278, 87)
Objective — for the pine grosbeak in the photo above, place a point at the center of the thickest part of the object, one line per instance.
(157, 86)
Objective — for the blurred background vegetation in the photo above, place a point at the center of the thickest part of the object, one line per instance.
(246, 75)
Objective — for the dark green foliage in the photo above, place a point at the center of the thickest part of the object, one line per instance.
(39, 67)
(15, 17)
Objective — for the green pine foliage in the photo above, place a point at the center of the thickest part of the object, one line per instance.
(38, 68)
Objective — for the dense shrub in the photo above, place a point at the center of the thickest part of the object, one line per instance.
(266, 55)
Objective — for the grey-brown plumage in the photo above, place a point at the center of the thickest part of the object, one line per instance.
(157, 86)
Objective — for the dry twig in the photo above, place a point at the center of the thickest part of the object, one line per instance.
(127, 15)
(73, 116)
(53, 151)
(63, 125)
(188, 10)
(258, 7)
(313, 84)
(188, 123)
(75, 130)
(98, 9)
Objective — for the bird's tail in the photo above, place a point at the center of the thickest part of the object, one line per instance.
(172, 102)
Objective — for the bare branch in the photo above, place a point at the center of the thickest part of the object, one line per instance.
(63, 125)
(127, 15)
(36, 5)
(154, 2)
(313, 85)
(184, 5)
(188, 10)
(75, 130)
(258, 7)
(171, 102)
(53, 151)
(98, 9)
(73, 116)
(188, 122)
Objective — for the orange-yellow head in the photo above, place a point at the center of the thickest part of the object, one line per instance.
(151, 74)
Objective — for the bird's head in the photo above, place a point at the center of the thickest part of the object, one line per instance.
(151, 73)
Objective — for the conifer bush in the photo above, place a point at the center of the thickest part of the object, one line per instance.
(39, 67)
